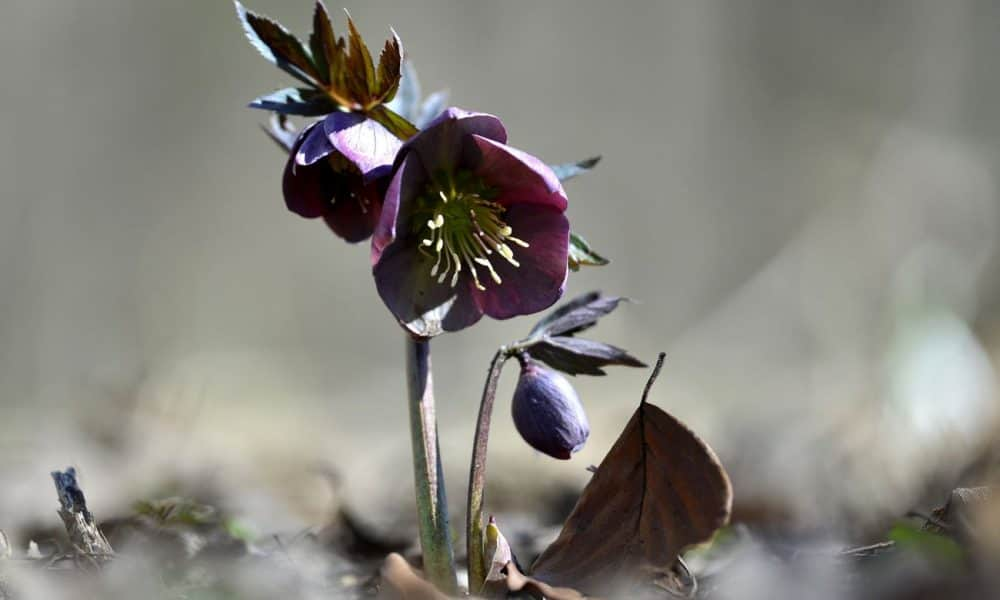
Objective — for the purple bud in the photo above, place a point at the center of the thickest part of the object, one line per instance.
(547, 412)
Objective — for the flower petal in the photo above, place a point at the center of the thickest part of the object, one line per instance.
(541, 277)
(366, 143)
(314, 145)
(408, 181)
(517, 175)
(445, 141)
(307, 189)
(348, 217)
(403, 280)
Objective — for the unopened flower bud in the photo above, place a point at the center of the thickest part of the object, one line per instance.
(547, 412)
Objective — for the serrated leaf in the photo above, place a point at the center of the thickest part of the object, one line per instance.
(396, 124)
(278, 45)
(389, 69)
(570, 170)
(577, 356)
(406, 102)
(433, 106)
(323, 42)
(281, 131)
(359, 64)
(577, 314)
(306, 102)
(581, 254)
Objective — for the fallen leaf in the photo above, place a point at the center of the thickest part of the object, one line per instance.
(400, 581)
(659, 490)
(519, 582)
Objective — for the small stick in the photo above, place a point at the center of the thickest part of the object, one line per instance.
(79, 521)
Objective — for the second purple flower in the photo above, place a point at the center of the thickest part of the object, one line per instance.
(337, 169)
(469, 226)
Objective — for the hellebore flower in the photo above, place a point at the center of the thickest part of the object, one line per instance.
(470, 226)
(338, 169)
(547, 412)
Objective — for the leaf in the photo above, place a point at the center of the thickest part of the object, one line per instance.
(433, 106)
(940, 549)
(361, 70)
(278, 45)
(306, 102)
(581, 357)
(400, 581)
(580, 253)
(389, 69)
(570, 170)
(323, 42)
(281, 131)
(659, 490)
(578, 314)
(396, 124)
(518, 582)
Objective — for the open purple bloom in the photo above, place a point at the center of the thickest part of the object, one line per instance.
(337, 169)
(547, 412)
(470, 226)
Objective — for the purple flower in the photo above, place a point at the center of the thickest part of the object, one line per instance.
(337, 169)
(470, 226)
(547, 412)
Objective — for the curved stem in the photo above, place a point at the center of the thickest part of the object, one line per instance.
(477, 475)
(432, 505)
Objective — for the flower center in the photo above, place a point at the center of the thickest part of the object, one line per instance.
(461, 228)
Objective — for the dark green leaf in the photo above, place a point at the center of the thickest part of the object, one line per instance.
(577, 314)
(389, 69)
(570, 170)
(580, 357)
(580, 253)
(359, 64)
(278, 45)
(296, 101)
(323, 42)
(396, 124)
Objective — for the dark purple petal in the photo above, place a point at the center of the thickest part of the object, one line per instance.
(446, 141)
(314, 146)
(366, 143)
(547, 412)
(307, 189)
(541, 277)
(517, 176)
(348, 217)
(405, 185)
(402, 278)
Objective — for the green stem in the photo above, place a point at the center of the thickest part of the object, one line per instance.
(477, 475)
(432, 505)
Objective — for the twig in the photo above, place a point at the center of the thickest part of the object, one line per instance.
(477, 475)
(81, 527)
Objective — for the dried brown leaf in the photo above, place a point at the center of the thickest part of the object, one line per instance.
(519, 582)
(659, 490)
(400, 581)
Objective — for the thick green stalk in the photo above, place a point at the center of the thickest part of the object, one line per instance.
(477, 476)
(432, 505)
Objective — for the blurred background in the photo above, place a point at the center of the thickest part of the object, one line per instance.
(801, 197)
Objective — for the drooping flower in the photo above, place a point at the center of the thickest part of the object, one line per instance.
(547, 412)
(338, 169)
(470, 226)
